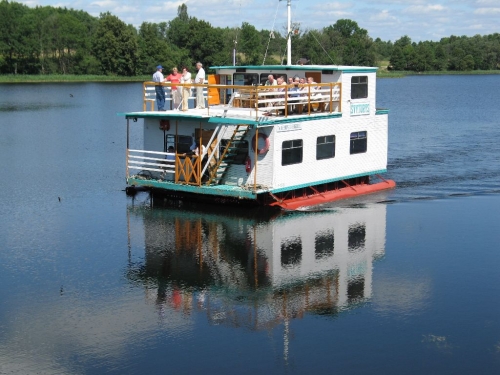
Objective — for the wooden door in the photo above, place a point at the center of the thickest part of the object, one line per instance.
(213, 93)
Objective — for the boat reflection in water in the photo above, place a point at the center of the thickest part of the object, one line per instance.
(253, 270)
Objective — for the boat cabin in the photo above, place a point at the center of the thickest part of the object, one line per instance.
(267, 135)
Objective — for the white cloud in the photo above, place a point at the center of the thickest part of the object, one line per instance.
(487, 11)
(105, 3)
(383, 16)
(420, 9)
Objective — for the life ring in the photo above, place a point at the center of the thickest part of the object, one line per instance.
(265, 149)
(165, 125)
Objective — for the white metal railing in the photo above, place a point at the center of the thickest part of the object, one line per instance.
(150, 93)
(317, 97)
(137, 160)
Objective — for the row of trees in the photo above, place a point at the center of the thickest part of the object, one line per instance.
(48, 40)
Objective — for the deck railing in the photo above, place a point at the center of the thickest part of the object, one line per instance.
(165, 166)
(274, 100)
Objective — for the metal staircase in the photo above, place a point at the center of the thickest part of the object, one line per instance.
(219, 169)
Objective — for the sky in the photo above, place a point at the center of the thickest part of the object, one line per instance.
(388, 20)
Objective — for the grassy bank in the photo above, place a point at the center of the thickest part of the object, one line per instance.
(19, 78)
(399, 74)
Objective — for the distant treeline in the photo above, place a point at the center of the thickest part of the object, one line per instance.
(48, 40)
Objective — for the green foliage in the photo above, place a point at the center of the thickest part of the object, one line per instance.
(114, 44)
(48, 40)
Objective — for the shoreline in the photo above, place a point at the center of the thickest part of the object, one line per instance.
(96, 78)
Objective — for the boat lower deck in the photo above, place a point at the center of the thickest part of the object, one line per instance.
(289, 200)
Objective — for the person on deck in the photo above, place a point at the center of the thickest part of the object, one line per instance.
(270, 81)
(175, 77)
(200, 79)
(160, 91)
(186, 90)
(294, 93)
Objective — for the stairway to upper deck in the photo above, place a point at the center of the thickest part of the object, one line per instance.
(228, 155)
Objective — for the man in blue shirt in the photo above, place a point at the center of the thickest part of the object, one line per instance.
(160, 91)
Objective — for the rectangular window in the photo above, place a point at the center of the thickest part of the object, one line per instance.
(245, 79)
(356, 238)
(359, 142)
(182, 145)
(324, 244)
(264, 77)
(239, 148)
(325, 147)
(359, 87)
(291, 152)
(291, 252)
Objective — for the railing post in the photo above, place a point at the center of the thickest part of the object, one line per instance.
(331, 97)
(286, 101)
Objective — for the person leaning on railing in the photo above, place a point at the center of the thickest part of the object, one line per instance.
(175, 77)
(160, 91)
(186, 90)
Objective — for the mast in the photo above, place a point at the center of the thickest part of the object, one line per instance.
(289, 35)
(289, 41)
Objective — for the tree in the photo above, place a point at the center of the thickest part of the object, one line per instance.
(115, 46)
(250, 44)
(11, 44)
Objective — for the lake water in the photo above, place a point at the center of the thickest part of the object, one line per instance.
(95, 282)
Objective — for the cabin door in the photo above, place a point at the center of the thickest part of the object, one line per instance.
(315, 75)
(213, 93)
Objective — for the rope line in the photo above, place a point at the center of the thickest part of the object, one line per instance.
(271, 33)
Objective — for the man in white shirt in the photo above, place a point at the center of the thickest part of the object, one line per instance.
(160, 91)
(200, 79)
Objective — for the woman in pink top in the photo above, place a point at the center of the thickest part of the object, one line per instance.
(175, 77)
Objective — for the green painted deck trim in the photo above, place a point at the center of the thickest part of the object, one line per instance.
(171, 115)
(232, 121)
(382, 112)
(360, 70)
(337, 68)
(218, 190)
(263, 121)
(326, 181)
(234, 191)
(271, 121)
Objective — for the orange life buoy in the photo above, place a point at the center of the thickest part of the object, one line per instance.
(165, 125)
(264, 149)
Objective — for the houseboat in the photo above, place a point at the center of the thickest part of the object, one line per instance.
(289, 144)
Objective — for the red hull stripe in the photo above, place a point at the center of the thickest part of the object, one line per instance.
(334, 195)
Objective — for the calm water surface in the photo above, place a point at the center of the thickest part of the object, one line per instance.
(94, 282)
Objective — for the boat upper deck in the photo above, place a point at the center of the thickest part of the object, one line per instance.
(246, 104)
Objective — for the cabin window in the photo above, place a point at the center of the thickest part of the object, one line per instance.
(291, 152)
(324, 244)
(359, 87)
(291, 252)
(245, 79)
(356, 289)
(325, 147)
(359, 142)
(181, 146)
(356, 238)
(240, 149)
(263, 77)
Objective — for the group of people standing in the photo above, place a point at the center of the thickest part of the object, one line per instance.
(179, 93)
